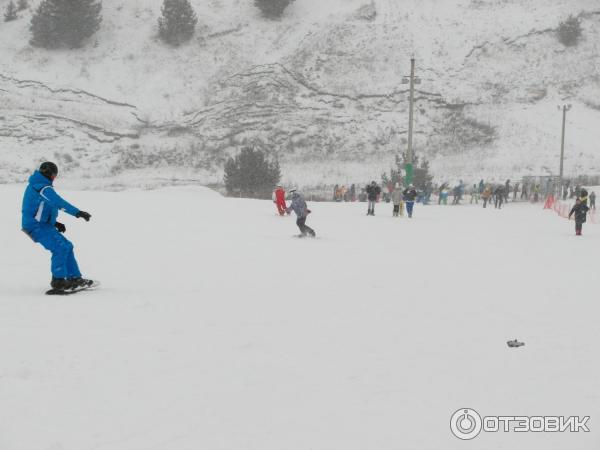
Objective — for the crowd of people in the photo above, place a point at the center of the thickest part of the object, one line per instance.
(489, 193)
(404, 198)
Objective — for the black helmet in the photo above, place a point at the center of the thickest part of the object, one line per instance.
(49, 169)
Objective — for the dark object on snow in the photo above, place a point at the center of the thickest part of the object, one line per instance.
(515, 343)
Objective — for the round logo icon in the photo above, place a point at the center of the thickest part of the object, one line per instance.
(465, 424)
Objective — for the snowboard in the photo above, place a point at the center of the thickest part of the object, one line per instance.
(73, 291)
(515, 344)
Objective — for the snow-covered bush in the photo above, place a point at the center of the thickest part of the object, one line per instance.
(57, 23)
(10, 12)
(569, 32)
(178, 21)
(251, 174)
(272, 9)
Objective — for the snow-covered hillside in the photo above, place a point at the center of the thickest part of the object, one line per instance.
(321, 88)
(216, 329)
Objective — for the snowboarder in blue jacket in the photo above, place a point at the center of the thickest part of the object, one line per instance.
(298, 205)
(41, 205)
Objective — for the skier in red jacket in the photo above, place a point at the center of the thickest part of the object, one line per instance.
(279, 200)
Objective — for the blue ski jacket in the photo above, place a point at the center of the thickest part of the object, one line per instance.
(298, 205)
(41, 203)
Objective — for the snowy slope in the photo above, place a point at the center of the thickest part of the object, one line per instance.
(215, 329)
(321, 88)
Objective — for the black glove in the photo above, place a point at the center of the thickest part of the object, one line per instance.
(84, 215)
(60, 227)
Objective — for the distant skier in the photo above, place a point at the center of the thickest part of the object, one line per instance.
(409, 196)
(580, 210)
(592, 200)
(566, 190)
(475, 194)
(458, 192)
(443, 197)
(373, 191)
(298, 205)
(427, 193)
(397, 201)
(583, 195)
(499, 196)
(279, 200)
(524, 191)
(536, 193)
(487, 196)
(41, 205)
(353, 193)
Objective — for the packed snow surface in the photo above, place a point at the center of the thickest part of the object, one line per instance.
(215, 328)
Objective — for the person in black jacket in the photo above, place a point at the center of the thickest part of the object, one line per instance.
(373, 192)
(580, 210)
(499, 196)
(410, 195)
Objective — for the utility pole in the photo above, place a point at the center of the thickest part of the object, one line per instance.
(565, 108)
(409, 154)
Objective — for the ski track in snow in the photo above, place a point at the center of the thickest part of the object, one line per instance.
(215, 329)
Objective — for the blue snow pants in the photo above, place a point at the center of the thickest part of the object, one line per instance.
(64, 264)
(409, 208)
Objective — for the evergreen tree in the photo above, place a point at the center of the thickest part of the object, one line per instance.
(272, 9)
(10, 12)
(421, 176)
(65, 22)
(178, 21)
(569, 32)
(44, 26)
(22, 5)
(251, 174)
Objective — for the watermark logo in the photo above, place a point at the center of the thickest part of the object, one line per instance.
(466, 424)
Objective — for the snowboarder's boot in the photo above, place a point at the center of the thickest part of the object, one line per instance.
(60, 283)
(78, 283)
